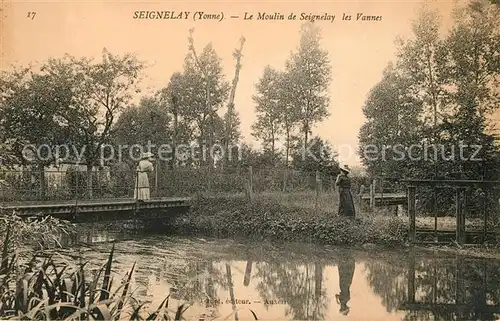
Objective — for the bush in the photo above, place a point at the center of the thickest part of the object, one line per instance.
(268, 219)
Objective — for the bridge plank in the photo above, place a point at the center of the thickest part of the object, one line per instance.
(86, 203)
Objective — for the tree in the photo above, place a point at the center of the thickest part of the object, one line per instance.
(34, 115)
(309, 72)
(470, 69)
(143, 124)
(99, 92)
(417, 59)
(105, 90)
(205, 90)
(318, 157)
(268, 101)
(392, 125)
(449, 89)
(173, 101)
(231, 119)
(291, 115)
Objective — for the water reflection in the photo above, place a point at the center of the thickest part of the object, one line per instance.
(346, 272)
(221, 277)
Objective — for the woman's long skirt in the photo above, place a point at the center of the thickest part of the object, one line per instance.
(346, 203)
(346, 272)
(141, 190)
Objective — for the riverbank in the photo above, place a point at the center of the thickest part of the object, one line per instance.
(265, 218)
(299, 218)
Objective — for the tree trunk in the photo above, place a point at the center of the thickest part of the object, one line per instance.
(230, 106)
(306, 131)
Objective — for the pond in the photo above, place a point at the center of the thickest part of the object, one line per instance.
(300, 281)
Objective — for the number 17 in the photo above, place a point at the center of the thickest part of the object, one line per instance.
(31, 15)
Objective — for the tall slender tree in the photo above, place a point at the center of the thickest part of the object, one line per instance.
(310, 73)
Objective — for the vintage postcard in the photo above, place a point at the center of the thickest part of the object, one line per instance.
(246, 160)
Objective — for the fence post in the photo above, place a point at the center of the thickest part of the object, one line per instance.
(136, 187)
(372, 195)
(381, 190)
(42, 182)
(412, 213)
(250, 183)
(156, 178)
(460, 232)
(4, 181)
(485, 214)
(319, 185)
(89, 183)
(75, 195)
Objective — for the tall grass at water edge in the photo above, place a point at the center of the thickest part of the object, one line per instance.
(49, 287)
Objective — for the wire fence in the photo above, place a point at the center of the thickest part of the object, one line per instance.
(77, 183)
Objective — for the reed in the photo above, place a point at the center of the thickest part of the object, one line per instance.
(50, 290)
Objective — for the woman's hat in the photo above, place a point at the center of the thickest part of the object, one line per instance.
(345, 169)
(147, 155)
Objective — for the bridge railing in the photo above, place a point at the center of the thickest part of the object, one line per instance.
(78, 183)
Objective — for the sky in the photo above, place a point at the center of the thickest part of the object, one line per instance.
(358, 50)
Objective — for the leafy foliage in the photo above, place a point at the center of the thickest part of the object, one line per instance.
(437, 99)
(294, 99)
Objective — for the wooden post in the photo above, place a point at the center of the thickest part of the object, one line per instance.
(250, 183)
(485, 215)
(372, 195)
(412, 213)
(156, 177)
(90, 184)
(460, 228)
(381, 190)
(319, 187)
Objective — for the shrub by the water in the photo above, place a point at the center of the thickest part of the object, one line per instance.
(268, 219)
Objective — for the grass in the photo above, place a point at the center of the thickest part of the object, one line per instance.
(55, 291)
(328, 202)
(265, 217)
(49, 287)
(310, 217)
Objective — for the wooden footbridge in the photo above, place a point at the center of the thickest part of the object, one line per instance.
(385, 199)
(67, 196)
(435, 234)
(101, 209)
(460, 235)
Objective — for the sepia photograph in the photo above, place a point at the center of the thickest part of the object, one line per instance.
(250, 160)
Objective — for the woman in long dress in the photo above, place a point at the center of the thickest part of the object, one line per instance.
(346, 202)
(141, 191)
